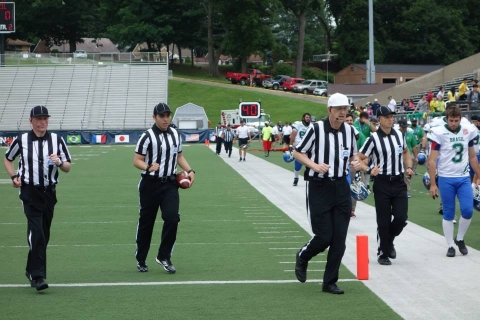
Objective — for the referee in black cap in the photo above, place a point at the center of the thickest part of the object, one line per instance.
(42, 154)
(327, 149)
(157, 154)
(389, 152)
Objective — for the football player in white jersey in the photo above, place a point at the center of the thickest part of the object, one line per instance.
(298, 131)
(453, 146)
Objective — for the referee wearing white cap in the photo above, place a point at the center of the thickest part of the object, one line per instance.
(42, 154)
(389, 152)
(327, 148)
(157, 154)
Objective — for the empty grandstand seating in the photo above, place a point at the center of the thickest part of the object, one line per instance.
(82, 97)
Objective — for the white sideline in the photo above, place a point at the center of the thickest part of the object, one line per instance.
(422, 283)
(164, 283)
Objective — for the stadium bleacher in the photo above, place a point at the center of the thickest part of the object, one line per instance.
(447, 85)
(83, 97)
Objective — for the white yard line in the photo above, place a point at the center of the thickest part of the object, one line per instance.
(422, 283)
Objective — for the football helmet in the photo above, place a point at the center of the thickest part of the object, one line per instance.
(476, 197)
(358, 189)
(426, 128)
(287, 157)
(422, 158)
(426, 180)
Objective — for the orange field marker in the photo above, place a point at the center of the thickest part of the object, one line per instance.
(362, 257)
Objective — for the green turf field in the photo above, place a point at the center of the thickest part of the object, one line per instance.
(235, 251)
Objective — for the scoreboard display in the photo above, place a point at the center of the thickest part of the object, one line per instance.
(249, 110)
(7, 17)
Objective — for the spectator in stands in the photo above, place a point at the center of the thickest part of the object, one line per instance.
(410, 106)
(473, 95)
(441, 92)
(462, 90)
(437, 105)
(451, 94)
(422, 105)
(375, 107)
(429, 97)
(392, 104)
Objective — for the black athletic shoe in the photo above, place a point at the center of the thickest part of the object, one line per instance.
(461, 246)
(32, 282)
(301, 268)
(451, 252)
(142, 266)
(332, 288)
(41, 284)
(440, 211)
(167, 265)
(244, 159)
(393, 252)
(384, 261)
(295, 182)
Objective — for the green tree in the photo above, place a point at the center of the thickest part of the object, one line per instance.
(250, 30)
(137, 21)
(301, 8)
(56, 21)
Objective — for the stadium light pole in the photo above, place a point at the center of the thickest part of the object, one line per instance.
(371, 54)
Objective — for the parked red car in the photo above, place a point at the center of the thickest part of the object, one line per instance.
(290, 82)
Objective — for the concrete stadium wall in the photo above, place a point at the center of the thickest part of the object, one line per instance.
(426, 82)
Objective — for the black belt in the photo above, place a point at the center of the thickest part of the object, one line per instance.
(44, 188)
(389, 177)
(158, 179)
(327, 178)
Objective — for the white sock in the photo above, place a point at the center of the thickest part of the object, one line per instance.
(296, 173)
(448, 232)
(463, 225)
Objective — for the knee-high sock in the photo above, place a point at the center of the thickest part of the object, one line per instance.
(463, 225)
(448, 232)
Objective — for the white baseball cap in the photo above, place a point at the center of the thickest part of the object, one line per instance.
(376, 99)
(338, 100)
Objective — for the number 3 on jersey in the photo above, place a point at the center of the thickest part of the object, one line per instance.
(458, 148)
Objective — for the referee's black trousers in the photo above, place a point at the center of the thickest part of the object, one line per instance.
(155, 194)
(390, 200)
(228, 147)
(219, 145)
(38, 206)
(329, 206)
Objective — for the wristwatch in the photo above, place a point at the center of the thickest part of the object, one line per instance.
(191, 170)
(60, 164)
(13, 177)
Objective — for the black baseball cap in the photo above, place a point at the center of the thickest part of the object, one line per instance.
(39, 111)
(161, 108)
(384, 111)
(403, 123)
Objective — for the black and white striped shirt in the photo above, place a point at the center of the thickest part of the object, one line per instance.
(386, 150)
(218, 131)
(34, 164)
(323, 144)
(160, 147)
(229, 134)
